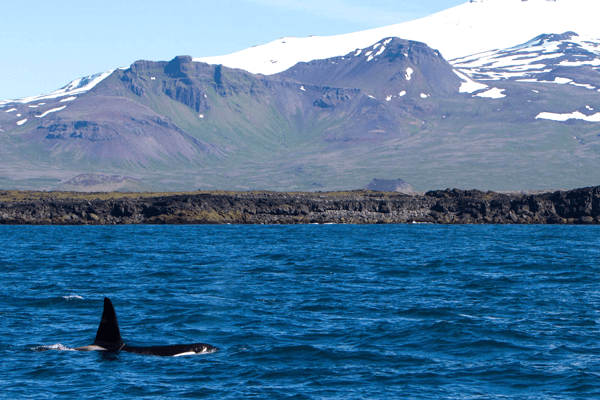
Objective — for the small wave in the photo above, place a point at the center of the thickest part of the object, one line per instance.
(57, 346)
(72, 297)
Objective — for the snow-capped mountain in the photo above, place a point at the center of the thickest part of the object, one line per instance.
(533, 60)
(562, 59)
(474, 27)
(329, 113)
(393, 108)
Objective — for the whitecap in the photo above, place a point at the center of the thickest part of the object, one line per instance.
(58, 346)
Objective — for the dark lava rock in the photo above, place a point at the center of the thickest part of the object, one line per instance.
(579, 206)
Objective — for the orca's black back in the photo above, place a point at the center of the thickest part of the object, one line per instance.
(171, 350)
(108, 335)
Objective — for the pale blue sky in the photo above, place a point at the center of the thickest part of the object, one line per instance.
(46, 44)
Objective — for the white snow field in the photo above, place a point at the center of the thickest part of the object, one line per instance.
(77, 86)
(473, 27)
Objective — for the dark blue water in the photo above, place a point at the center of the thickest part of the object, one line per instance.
(304, 312)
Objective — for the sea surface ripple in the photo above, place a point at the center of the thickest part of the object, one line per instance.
(304, 312)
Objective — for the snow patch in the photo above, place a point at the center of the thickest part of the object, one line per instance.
(402, 93)
(371, 97)
(566, 117)
(493, 93)
(370, 58)
(11, 110)
(585, 85)
(469, 86)
(302, 88)
(424, 96)
(358, 52)
(380, 51)
(201, 116)
(389, 98)
(409, 72)
(589, 108)
(68, 99)
(591, 63)
(21, 122)
(562, 81)
(51, 111)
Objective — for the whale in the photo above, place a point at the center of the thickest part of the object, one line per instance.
(108, 338)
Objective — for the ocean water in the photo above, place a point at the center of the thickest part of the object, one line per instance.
(304, 312)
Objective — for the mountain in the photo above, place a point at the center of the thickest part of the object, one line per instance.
(394, 108)
(473, 27)
(156, 117)
(522, 117)
(542, 59)
(561, 59)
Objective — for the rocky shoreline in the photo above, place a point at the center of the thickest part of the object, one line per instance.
(578, 206)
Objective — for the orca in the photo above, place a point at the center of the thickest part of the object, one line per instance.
(108, 338)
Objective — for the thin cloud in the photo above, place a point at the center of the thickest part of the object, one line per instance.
(378, 13)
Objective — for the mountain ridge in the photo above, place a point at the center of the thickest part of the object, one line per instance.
(394, 108)
(456, 32)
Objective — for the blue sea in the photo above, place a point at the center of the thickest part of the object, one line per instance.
(304, 312)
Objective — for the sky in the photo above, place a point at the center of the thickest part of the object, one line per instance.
(45, 45)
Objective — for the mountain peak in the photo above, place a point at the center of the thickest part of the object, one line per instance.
(393, 69)
(178, 66)
(555, 37)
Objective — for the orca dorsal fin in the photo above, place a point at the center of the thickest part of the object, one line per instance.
(108, 335)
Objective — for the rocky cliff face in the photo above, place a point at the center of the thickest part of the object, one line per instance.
(581, 206)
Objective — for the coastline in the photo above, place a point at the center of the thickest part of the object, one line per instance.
(450, 206)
